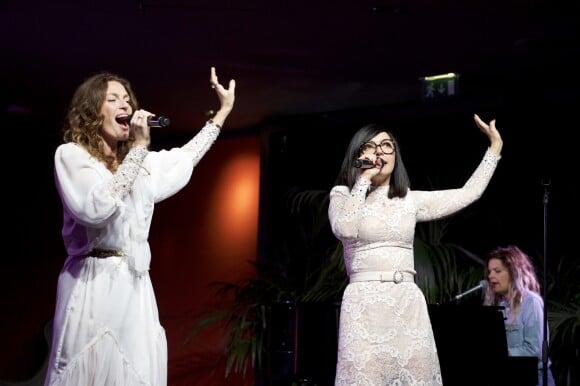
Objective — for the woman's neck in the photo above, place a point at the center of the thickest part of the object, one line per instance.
(110, 148)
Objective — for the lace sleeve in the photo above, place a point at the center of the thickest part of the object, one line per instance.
(127, 172)
(441, 203)
(200, 144)
(344, 210)
(482, 176)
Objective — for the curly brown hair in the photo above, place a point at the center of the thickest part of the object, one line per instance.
(84, 120)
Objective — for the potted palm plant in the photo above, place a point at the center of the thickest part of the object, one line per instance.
(309, 269)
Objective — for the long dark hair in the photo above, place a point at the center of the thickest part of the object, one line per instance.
(399, 184)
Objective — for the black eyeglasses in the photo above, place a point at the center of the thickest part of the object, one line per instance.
(387, 147)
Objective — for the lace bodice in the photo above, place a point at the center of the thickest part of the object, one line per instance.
(377, 232)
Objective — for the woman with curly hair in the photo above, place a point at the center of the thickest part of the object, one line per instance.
(106, 323)
(514, 286)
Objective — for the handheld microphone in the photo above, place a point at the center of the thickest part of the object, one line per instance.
(482, 285)
(363, 163)
(152, 121)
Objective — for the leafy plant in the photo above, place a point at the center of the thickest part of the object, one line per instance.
(563, 303)
(443, 268)
(308, 268)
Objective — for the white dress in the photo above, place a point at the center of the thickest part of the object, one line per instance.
(106, 323)
(385, 334)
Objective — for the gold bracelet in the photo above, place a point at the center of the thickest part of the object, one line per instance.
(211, 122)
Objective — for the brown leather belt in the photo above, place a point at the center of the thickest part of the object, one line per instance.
(103, 253)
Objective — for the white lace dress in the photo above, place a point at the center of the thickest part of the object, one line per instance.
(385, 335)
(106, 323)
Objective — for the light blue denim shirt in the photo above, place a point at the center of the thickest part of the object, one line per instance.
(526, 333)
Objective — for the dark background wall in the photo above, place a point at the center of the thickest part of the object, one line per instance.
(442, 146)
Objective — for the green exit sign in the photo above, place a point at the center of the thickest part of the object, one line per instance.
(439, 86)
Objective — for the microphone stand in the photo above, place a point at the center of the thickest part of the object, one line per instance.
(544, 288)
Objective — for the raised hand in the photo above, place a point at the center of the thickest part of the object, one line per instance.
(496, 142)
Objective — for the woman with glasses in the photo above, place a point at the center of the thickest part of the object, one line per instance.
(385, 335)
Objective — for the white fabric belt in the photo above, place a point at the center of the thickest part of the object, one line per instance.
(394, 276)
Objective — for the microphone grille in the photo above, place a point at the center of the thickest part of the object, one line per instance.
(164, 121)
(483, 284)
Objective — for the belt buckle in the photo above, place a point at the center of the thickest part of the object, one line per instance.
(398, 277)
